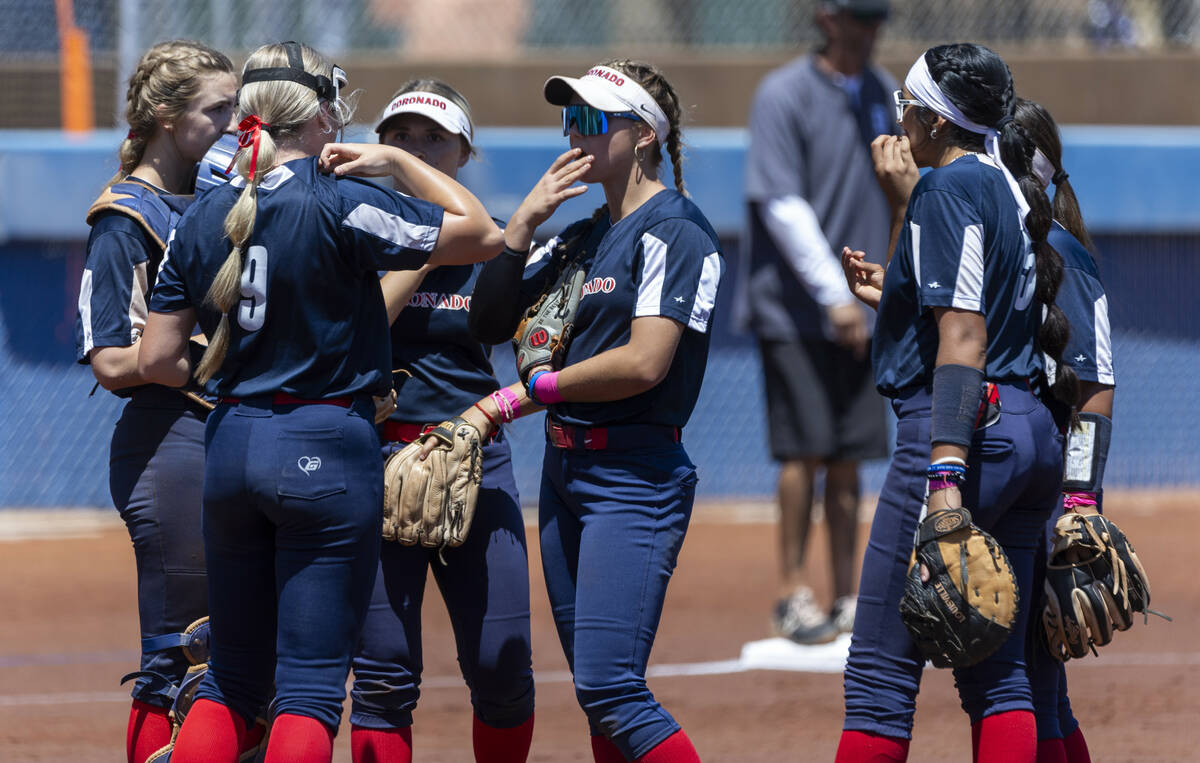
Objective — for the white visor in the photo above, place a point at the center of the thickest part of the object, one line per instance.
(612, 91)
(445, 112)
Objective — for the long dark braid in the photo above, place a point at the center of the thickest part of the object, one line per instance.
(979, 83)
(1043, 131)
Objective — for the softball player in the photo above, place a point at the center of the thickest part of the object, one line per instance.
(298, 345)
(961, 317)
(617, 485)
(440, 371)
(1089, 354)
(180, 100)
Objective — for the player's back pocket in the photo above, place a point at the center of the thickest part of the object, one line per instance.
(311, 463)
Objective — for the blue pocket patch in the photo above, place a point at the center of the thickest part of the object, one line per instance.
(311, 464)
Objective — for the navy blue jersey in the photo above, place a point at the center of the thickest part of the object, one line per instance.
(962, 246)
(112, 293)
(662, 260)
(1082, 298)
(131, 221)
(441, 369)
(311, 321)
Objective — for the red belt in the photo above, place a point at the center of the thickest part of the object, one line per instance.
(283, 398)
(404, 431)
(603, 438)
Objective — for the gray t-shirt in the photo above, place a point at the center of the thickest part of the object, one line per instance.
(806, 140)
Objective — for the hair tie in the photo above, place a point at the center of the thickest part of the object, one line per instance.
(249, 130)
(1060, 177)
(1002, 122)
(131, 135)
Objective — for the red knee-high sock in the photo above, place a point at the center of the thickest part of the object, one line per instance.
(299, 739)
(1076, 747)
(381, 745)
(493, 745)
(148, 732)
(865, 747)
(676, 748)
(212, 733)
(604, 751)
(1005, 738)
(1051, 751)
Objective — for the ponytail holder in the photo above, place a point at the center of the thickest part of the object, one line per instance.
(1002, 122)
(131, 135)
(1060, 177)
(249, 130)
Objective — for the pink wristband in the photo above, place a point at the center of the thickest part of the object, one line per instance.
(1072, 501)
(514, 402)
(546, 387)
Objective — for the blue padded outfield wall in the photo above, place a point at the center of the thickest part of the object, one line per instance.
(1139, 188)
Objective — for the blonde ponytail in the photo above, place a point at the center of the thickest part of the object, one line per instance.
(281, 107)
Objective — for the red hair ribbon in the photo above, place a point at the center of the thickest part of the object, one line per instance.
(248, 134)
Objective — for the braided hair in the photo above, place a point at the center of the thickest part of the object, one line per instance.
(655, 83)
(284, 107)
(1041, 128)
(979, 83)
(162, 84)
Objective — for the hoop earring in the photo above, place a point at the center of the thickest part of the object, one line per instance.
(933, 133)
(639, 154)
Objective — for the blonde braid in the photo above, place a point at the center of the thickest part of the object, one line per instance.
(162, 84)
(283, 106)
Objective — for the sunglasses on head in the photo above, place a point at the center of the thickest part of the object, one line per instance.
(589, 120)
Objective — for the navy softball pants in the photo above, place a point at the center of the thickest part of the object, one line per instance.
(156, 471)
(485, 584)
(1014, 470)
(612, 523)
(1048, 676)
(293, 504)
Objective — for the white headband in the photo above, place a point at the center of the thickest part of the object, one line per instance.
(612, 91)
(921, 86)
(445, 112)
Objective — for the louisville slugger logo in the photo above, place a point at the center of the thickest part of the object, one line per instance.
(950, 605)
(432, 300)
(947, 523)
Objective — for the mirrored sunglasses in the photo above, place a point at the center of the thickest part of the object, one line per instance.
(589, 120)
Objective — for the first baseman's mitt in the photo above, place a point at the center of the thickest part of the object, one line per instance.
(545, 331)
(432, 502)
(967, 608)
(1094, 584)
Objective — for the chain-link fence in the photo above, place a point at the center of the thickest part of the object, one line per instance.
(117, 31)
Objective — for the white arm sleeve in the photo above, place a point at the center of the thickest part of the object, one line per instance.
(794, 227)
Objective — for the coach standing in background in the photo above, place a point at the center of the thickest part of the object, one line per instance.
(810, 189)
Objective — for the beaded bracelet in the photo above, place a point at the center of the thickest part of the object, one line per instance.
(945, 475)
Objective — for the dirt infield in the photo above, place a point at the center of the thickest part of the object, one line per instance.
(68, 631)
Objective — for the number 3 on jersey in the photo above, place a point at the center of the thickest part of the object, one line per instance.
(252, 308)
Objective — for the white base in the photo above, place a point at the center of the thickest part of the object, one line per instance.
(783, 654)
